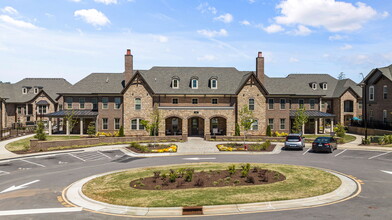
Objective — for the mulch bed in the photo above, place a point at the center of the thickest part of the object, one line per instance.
(270, 148)
(215, 178)
(151, 147)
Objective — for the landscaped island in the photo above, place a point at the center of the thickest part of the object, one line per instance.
(271, 182)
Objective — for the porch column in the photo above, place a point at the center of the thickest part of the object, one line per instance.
(50, 126)
(331, 125)
(184, 126)
(323, 125)
(67, 127)
(207, 127)
(96, 125)
(81, 126)
(315, 126)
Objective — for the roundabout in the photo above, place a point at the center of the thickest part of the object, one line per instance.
(328, 187)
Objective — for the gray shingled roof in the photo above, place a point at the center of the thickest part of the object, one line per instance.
(386, 71)
(313, 113)
(52, 86)
(300, 84)
(160, 78)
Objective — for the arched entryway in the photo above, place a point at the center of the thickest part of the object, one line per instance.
(196, 126)
(218, 126)
(173, 126)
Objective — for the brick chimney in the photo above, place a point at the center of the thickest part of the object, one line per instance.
(260, 67)
(128, 66)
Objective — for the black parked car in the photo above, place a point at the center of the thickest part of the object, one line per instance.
(326, 144)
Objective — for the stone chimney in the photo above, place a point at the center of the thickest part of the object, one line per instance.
(128, 66)
(260, 67)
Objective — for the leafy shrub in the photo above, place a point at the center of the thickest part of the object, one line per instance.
(172, 176)
(244, 173)
(277, 134)
(269, 132)
(236, 181)
(189, 175)
(91, 129)
(231, 169)
(250, 179)
(237, 130)
(246, 166)
(365, 141)
(215, 183)
(386, 139)
(40, 133)
(142, 148)
(340, 131)
(121, 132)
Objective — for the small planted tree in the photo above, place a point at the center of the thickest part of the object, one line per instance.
(246, 119)
(39, 132)
(269, 133)
(300, 119)
(153, 126)
(91, 129)
(237, 130)
(121, 132)
(70, 117)
(340, 131)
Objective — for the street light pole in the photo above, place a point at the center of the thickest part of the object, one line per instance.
(364, 100)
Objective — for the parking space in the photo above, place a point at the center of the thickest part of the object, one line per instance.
(113, 154)
(2, 173)
(52, 160)
(384, 156)
(359, 154)
(15, 165)
(90, 156)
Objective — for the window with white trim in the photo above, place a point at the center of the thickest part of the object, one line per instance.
(270, 104)
(175, 101)
(301, 103)
(105, 101)
(360, 104)
(282, 124)
(136, 124)
(195, 101)
(251, 104)
(42, 109)
(24, 90)
(282, 104)
(104, 123)
(371, 93)
(175, 83)
(314, 86)
(36, 90)
(194, 83)
(271, 123)
(312, 103)
(324, 85)
(81, 103)
(94, 101)
(117, 103)
(138, 103)
(117, 123)
(69, 102)
(214, 101)
(214, 83)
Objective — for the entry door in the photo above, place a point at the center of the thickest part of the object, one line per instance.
(195, 126)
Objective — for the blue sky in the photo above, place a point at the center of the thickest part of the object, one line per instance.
(72, 38)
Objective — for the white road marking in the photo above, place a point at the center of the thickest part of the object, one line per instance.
(3, 173)
(104, 154)
(389, 172)
(340, 152)
(199, 158)
(77, 157)
(39, 211)
(378, 155)
(307, 151)
(37, 164)
(12, 188)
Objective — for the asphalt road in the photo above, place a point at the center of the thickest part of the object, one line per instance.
(44, 179)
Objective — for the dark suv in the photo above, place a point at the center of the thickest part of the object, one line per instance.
(294, 141)
(326, 144)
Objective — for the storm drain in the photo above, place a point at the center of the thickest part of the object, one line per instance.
(192, 210)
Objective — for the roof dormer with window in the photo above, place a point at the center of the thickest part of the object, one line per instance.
(194, 82)
(313, 85)
(25, 89)
(214, 82)
(324, 86)
(175, 82)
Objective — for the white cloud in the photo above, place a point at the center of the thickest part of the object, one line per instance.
(245, 22)
(9, 10)
(346, 47)
(75, 0)
(302, 31)
(17, 23)
(293, 60)
(331, 14)
(92, 16)
(251, 1)
(161, 38)
(273, 28)
(207, 57)
(106, 2)
(337, 37)
(205, 7)
(209, 33)
(225, 18)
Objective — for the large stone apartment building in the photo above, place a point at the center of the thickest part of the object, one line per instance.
(203, 101)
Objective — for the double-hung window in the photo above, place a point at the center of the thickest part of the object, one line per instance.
(136, 124)
(117, 103)
(81, 103)
(251, 104)
(138, 104)
(105, 101)
(282, 104)
(270, 104)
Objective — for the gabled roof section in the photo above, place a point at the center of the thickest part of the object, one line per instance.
(386, 71)
(300, 85)
(51, 86)
(159, 79)
(246, 78)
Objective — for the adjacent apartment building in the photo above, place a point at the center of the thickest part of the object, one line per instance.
(204, 101)
(376, 85)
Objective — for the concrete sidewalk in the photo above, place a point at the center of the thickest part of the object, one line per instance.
(4, 153)
(74, 195)
(356, 145)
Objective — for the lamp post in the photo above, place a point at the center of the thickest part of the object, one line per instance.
(364, 98)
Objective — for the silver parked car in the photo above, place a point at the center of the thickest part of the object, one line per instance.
(294, 141)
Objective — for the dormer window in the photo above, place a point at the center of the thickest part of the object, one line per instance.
(175, 83)
(214, 83)
(36, 90)
(194, 83)
(314, 86)
(324, 86)
(24, 90)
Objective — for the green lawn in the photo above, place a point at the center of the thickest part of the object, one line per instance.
(301, 182)
(346, 139)
(24, 144)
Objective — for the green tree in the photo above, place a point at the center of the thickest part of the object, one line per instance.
(39, 132)
(340, 131)
(121, 132)
(153, 126)
(246, 119)
(300, 119)
(70, 117)
(237, 130)
(91, 129)
(269, 132)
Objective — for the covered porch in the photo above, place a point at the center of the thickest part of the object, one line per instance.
(72, 121)
(318, 122)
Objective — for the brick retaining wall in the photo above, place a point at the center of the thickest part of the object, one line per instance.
(370, 131)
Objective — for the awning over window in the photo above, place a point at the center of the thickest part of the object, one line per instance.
(42, 102)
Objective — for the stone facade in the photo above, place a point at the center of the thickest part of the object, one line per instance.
(376, 107)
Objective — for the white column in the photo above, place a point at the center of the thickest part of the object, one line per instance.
(315, 126)
(331, 125)
(67, 127)
(96, 125)
(323, 125)
(81, 126)
(50, 126)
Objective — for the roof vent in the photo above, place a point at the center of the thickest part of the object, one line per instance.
(107, 80)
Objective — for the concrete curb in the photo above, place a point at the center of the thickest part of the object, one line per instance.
(73, 194)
